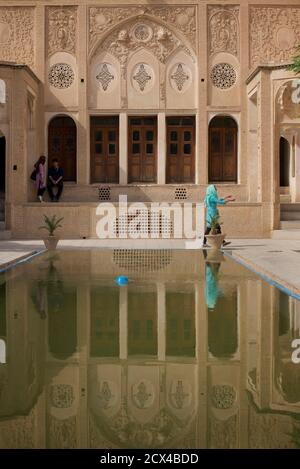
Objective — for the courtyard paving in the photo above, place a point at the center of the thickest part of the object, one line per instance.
(278, 260)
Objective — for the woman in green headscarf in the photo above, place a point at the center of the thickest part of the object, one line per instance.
(211, 203)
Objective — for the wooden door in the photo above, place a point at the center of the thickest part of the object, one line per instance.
(142, 149)
(105, 149)
(180, 150)
(223, 150)
(62, 144)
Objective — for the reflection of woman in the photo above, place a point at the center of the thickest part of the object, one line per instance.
(39, 298)
(212, 291)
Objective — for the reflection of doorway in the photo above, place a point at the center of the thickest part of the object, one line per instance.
(222, 149)
(284, 159)
(2, 177)
(62, 145)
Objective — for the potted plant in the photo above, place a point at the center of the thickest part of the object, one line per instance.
(215, 239)
(51, 224)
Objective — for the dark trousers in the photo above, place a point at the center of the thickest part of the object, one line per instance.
(41, 191)
(208, 230)
(50, 187)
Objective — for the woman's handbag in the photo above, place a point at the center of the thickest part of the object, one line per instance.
(33, 175)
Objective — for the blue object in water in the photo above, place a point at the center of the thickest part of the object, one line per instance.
(121, 280)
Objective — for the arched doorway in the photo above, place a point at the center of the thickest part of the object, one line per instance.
(222, 164)
(284, 162)
(2, 176)
(62, 144)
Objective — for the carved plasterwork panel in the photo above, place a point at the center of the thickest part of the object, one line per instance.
(17, 35)
(289, 100)
(274, 34)
(181, 18)
(223, 29)
(61, 23)
(159, 40)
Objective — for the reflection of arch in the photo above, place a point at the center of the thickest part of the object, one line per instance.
(284, 162)
(222, 162)
(62, 144)
(2, 352)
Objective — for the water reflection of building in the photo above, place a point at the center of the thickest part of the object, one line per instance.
(148, 364)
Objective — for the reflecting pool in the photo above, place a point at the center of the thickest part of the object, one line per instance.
(195, 352)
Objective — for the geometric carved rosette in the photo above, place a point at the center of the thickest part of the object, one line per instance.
(223, 76)
(61, 75)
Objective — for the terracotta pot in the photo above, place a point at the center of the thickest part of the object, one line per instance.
(215, 256)
(51, 243)
(215, 241)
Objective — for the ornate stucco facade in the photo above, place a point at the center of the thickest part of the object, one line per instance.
(182, 93)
